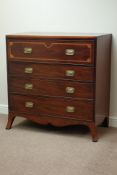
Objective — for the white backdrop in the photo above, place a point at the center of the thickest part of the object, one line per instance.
(56, 16)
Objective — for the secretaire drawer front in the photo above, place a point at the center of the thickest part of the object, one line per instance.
(79, 52)
(82, 110)
(81, 73)
(45, 87)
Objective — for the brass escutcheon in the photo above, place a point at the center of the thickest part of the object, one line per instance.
(70, 90)
(27, 50)
(70, 109)
(28, 70)
(29, 104)
(69, 52)
(70, 73)
(28, 86)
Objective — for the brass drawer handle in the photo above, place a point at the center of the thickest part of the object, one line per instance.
(29, 104)
(28, 86)
(28, 70)
(70, 109)
(70, 90)
(70, 73)
(69, 52)
(27, 50)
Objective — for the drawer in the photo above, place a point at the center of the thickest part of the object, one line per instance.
(80, 73)
(44, 87)
(81, 52)
(80, 109)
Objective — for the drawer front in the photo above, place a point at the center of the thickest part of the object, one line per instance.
(51, 88)
(80, 73)
(73, 52)
(82, 110)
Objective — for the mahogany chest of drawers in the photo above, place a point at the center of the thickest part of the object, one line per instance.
(59, 79)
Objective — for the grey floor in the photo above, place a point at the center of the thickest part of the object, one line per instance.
(31, 149)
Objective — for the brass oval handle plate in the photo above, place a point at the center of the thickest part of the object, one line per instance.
(70, 73)
(70, 109)
(29, 104)
(69, 52)
(27, 50)
(28, 86)
(70, 90)
(28, 70)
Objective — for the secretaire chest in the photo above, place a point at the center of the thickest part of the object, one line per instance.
(59, 79)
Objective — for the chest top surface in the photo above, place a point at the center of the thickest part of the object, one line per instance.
(56, 35)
